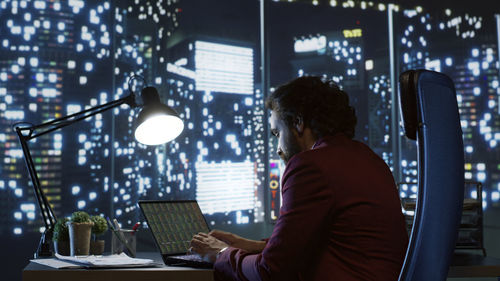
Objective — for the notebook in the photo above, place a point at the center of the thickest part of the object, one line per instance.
(173, 224)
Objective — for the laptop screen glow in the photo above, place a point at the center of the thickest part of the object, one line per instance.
(173, 223)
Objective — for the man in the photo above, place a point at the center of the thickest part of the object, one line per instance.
(341, 217)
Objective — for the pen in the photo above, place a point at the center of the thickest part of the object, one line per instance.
(118, 230)
(117, 226)
(110, 224)
(135, 227)
(121, 237)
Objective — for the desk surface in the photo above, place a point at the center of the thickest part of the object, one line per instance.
(468, 265)
(38, 272)
(464, 265)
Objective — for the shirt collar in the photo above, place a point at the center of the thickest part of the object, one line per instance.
(337, 138)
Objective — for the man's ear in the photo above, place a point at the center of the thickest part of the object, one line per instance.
(298, 124)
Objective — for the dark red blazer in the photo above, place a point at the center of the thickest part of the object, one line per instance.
(340, 220)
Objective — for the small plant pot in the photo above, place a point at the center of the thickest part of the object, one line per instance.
(79, 238)
(97, 247)
(62, 248)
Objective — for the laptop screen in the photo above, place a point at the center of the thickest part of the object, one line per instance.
(173, 223)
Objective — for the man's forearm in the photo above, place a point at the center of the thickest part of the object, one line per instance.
(235, 241)
(253, 246)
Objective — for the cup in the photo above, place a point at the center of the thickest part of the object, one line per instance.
(123, 240)
(79, 238)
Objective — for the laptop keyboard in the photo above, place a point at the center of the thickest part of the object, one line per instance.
(192, 257)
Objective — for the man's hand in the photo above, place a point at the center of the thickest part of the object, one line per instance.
(233, 240)
(207, 246)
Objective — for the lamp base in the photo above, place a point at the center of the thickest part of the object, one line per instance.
(44, 247)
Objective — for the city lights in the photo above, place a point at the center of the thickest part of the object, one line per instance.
(223, 68)
(54, 66)
(477, 91)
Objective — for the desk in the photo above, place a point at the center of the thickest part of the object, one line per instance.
(468, 265)
(38, 272)
(463, 265)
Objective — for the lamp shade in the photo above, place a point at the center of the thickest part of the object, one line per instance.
(157, 123)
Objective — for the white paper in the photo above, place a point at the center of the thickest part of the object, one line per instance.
(121, 260)
(56, 263)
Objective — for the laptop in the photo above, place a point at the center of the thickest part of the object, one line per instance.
(173, 224)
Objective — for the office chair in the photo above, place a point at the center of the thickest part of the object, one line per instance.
(430, 116)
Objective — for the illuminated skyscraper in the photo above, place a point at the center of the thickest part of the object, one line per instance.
(337, 56)
(379, 109)
(472, 63)
(48, 48)
(59, 58)
(219, 160)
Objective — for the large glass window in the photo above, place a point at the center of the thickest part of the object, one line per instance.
(214, 62)
(61, 57)
(465, 47)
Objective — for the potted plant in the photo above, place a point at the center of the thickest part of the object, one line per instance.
(79, 227)
(99, 228)
(61, 237)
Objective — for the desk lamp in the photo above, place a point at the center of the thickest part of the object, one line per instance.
(157, 123)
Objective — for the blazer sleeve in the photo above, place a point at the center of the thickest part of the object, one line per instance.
(307, 201)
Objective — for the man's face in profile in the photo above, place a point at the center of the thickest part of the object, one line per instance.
(288, 145)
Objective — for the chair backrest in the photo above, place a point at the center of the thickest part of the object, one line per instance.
(430, 115)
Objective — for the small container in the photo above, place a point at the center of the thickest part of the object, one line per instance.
(79, 238)
(123, 240)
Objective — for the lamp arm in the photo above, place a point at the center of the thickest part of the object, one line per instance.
(49, 217)
(75, 117)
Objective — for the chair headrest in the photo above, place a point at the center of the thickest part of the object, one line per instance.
(408, 102)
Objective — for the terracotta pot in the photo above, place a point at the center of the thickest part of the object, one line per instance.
(62, 247)
(79, 238)
(97, 247)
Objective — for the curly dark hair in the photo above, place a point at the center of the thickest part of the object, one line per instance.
(323, 106)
